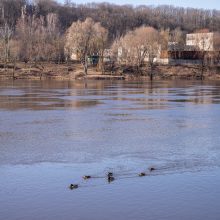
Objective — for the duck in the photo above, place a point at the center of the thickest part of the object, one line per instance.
(142, 174)
(110, 179)
(110, 174)
(87, 177)
(152, 169)
(73, 186)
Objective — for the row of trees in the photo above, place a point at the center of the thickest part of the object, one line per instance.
(39, 38)
(45, 30)
(33, 39)
(116, 19)
(135, 48)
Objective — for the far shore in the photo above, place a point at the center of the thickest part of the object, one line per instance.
(74, 71)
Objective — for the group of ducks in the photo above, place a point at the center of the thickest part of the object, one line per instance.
(110, 178)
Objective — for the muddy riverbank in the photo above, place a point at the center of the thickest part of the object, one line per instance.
(74, 71)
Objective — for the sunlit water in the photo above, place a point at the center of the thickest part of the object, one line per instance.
(53, 133)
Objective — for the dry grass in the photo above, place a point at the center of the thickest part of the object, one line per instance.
(74, 71)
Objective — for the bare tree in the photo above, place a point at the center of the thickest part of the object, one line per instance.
(53, 38)
(153, 47)
(39, 37)
(165, 38)
(79, 39)
(84, 38)
(178, 41)
(142, 44)
(25, 31)
(14, 55)
(131, 49)
(5, 37)
(43, 15)
(100, 42)
(110, 15)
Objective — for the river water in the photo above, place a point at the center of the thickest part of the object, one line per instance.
(53, 133)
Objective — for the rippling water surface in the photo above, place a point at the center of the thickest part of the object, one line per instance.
(53, 133)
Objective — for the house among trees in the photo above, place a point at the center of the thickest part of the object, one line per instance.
(202, 46)
(47, 31)
(203, 41)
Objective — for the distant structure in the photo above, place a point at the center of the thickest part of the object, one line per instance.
(75, 56)
(185, 53)
(92, 59)
(202, 41)
(108, 54)
(196, 44)
(121, 53)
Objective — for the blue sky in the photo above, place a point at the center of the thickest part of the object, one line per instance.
(206, 4)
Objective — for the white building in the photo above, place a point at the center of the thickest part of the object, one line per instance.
(122, 52)
(202, 41)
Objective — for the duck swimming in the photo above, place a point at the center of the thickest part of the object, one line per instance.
(142, 174)
(73, 186)
(110, 177)
(152, 169)
(110, 174)
(87, 177)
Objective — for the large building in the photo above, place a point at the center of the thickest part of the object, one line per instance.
(204, 41)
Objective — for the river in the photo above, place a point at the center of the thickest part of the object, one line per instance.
(54, 132)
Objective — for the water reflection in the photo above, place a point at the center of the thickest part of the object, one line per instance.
(52, 133)
(40, 96)
(136, 122)
(48, 95)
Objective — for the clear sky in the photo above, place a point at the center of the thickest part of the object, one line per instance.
(206, 4)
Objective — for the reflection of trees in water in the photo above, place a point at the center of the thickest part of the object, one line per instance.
(201, 95)
(191, 92)
(45, 95)
(15, 103)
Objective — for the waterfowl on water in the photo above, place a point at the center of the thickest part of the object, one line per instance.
(110, 174)
(87, 177)
(142, 174)
(110, 179)
(152, 169)
(73, 186)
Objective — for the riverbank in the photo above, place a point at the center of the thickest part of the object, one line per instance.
(74, 71)
(40, 71)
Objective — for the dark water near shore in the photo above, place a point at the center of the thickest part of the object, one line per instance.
(53, 133)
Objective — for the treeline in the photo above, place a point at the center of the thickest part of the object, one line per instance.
(117, 19)
(36, 29)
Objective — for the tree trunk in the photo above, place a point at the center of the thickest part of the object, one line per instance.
(151, 77)
(84, 63)
(202, 68)
(14, 68)
(101, 64)
(85, 70)
(151, 72)
(202, 72)
(85, 66)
